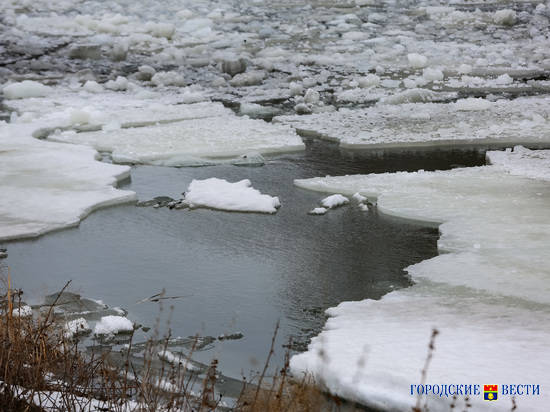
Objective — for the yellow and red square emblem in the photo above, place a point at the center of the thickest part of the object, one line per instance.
(490, 392)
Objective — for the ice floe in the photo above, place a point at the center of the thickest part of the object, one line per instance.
(111, 325)
(26, 88)
(333, 201)
(76, 327)
(47, 186)
(189, 142)
(488, 295)
(468, 121)
(236, 197)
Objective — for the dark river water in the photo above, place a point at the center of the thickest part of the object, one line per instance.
(239, 272)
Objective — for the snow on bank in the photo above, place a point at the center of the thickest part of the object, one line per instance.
(46, 186)
(467, 121)
(489, 296)
(223, 195)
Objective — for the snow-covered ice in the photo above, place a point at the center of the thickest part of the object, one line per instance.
(333, 201)
(522, 162)
(189, 142)
(75, 327)
(178, 360)
(47, 186)
(223, 195)
(467, 121)
(488, 295)
(111, 325)
(23, 311)
(27, 88)
(318, 211)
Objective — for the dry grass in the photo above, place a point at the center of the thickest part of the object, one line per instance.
(40, 369)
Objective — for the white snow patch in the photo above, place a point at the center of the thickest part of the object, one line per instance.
(318, 211)
(24, 311)
(333, 201)
(112, 325)
(359, 197)
(75, 327)
(223, 195)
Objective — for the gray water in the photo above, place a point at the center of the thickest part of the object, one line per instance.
(238, 271)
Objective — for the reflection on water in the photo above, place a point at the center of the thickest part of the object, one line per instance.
(239, 272)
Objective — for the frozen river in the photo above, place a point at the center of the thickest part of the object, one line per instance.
(390, 103)
(239, 272)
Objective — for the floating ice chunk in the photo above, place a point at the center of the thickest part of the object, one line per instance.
(76, 327)
(416, 95)
(512, 121)
(505, 17)
(417, 61)
(79, 117)
(65, 180)
(24, 89)
(431, 74)
(296, 89)
(257, 110)
(85, 51)
(145, 72)
(312, 96)
(184, 14)
(247, 79)
(166, 30)
(233, 67)
(390, 83)
(370, 80)
(168, 79)
(197, 26)
(111, 325)
(504, 79)
(359, 197)
(302, 108)
(472, 104)
(23, 311)
(238, 197)
(120, 84)
(318, 211)
(93, 87)
(193, 141)
(464, 68)
(178, 360)
(522, 162)
(333, 201)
